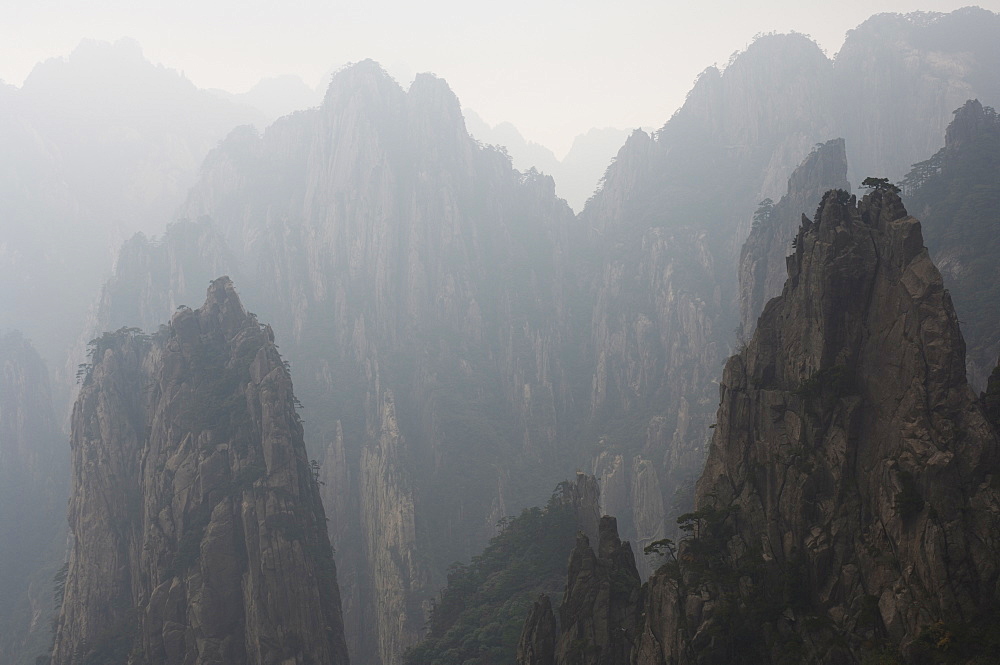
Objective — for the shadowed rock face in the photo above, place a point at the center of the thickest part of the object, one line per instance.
(762, 259)
(956, 195)
(33, 485)
(847, 507)
(850, 470)
(599, 614)
(199, 536)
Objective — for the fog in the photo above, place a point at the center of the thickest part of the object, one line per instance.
(553, 69)
(503, 250)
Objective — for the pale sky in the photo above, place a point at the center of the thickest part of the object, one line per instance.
(551, 67)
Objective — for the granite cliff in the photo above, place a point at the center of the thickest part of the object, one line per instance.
(762, 258)
(34, 480)
(849, 479)
(419, 284)
(600, 614)
(198, 532)
(956, 195)
(848, 510)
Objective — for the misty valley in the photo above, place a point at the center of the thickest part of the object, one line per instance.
(311, 377)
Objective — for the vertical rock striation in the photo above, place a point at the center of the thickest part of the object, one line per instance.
(33, 486)
(762, 258)
(956, 194)
(599, 616)
(199, 536)
(848, 486)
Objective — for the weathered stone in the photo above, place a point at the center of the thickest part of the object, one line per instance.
(199, 536)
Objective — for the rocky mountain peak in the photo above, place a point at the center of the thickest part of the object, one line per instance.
(599, 614)
(847, 441)
(364, 82)
(971, 121)
(762, 259)
(199, 536)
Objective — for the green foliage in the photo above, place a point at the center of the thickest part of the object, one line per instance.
(879, 185)
(840, 196)
(479, 616)
(763, 213)
(953, 642)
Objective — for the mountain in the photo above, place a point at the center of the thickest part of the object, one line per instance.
(599, 615)
(762, 258)
(926, 63)
(666, 230)
(846, 512)
(578, 174)
(419, 283)
(479, 615)
(275, 96)
(461, 342)
(956, 194)
(33, 486)
(198, 531)
(106, 144)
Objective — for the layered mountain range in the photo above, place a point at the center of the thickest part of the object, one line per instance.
(198, 531)
(106, 144)
(461, 342)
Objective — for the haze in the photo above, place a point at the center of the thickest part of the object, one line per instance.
(553, 69)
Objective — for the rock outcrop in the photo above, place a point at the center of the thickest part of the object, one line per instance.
(762, 259)
(34, 480)
(848, 510)
(956, 194)
(849, 483)
(599, 617)
(198, 532)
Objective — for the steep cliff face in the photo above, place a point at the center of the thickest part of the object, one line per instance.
(661, 275)
(762, 259)
(667, 233)
(599, 617)
(460, 344)
(956, 194)
(479, 614)
(912, 71)
(420, 283)
(848, 510)
(199, 536)
(849, 483)
(33, 485)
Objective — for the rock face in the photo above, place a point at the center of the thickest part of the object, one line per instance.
(762, 259)
(955, 194)
(599, 615)
(478, 616)
(33, 485)
(419, 283)
(848, 510)
(849, 481)
(199, 536)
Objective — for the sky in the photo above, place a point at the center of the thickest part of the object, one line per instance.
(553, 68)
